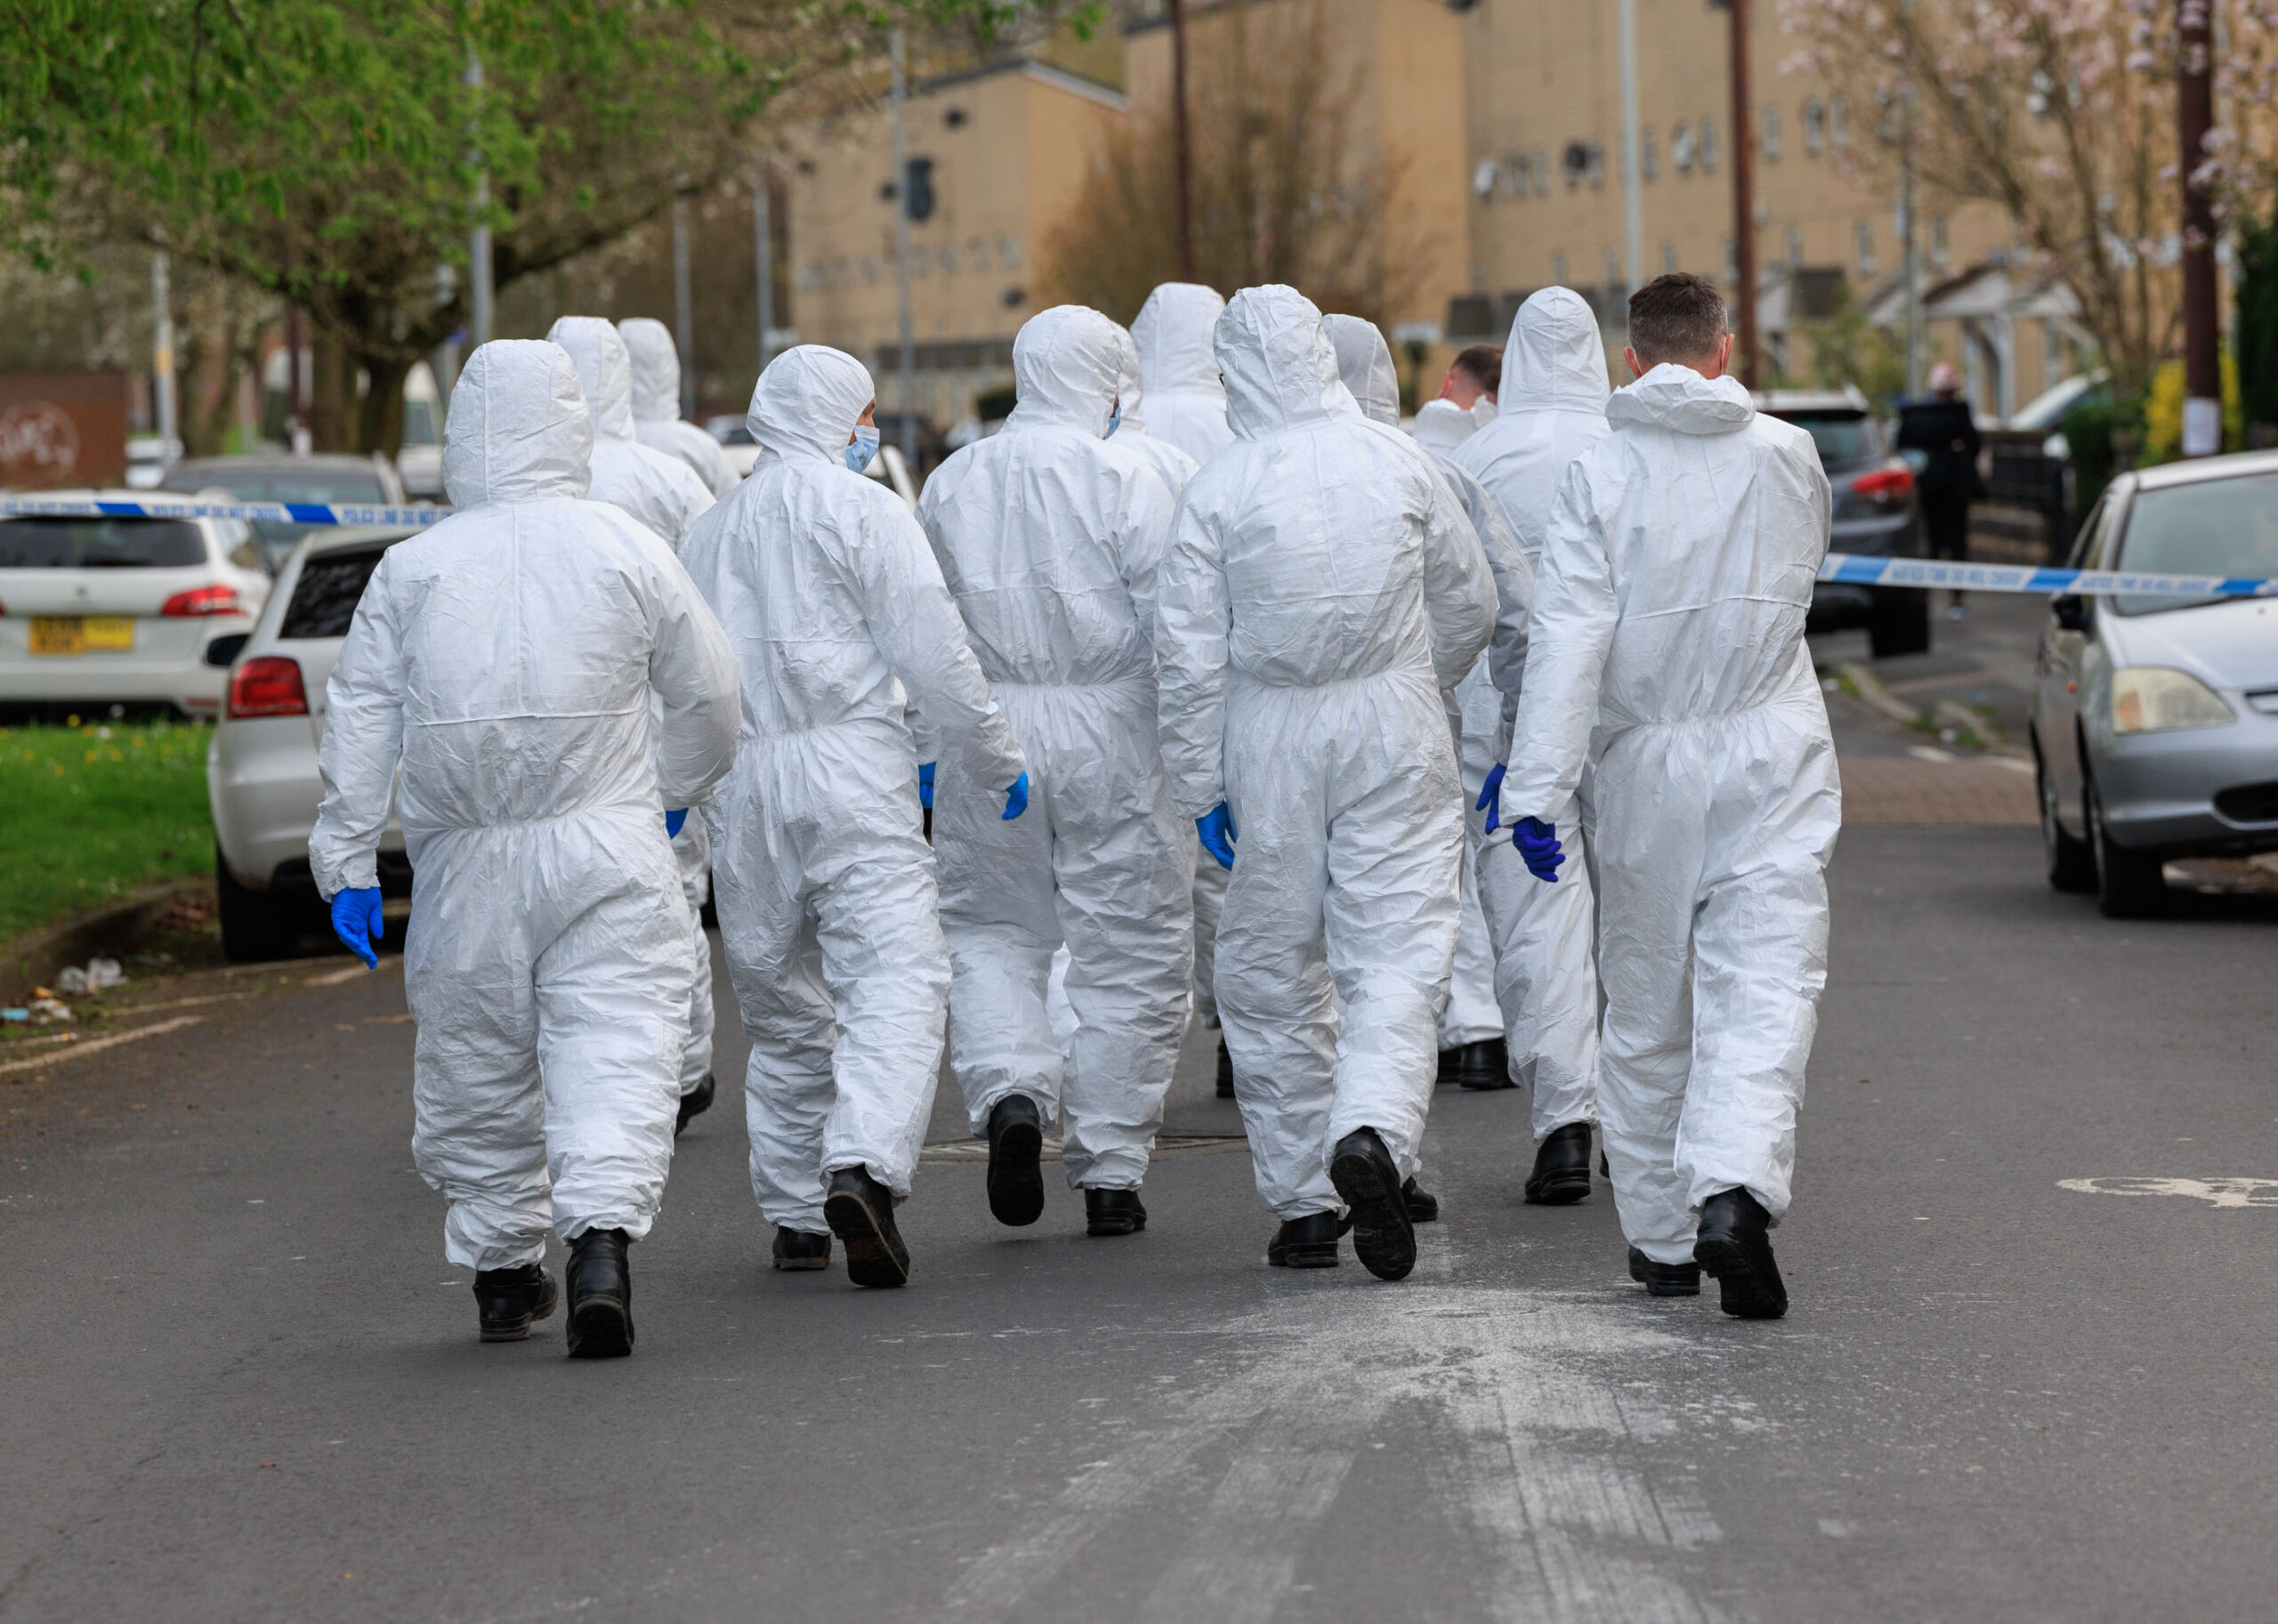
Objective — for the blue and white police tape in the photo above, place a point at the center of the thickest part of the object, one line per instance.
(1853, 570)
(256, 512)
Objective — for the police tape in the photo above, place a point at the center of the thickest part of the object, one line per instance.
(255, 513)
(1851, 569)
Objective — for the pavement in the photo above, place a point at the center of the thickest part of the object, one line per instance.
(2025, 1378)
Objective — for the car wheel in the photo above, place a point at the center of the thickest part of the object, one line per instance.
(2072, 864)
(1898, 622)
(256, 925)
(2129, 884)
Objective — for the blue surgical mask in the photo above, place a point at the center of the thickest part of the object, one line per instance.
(859, 454)
(1115, 420)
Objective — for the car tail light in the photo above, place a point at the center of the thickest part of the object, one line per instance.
(270, 686)
(1895, 483)
(214, 600)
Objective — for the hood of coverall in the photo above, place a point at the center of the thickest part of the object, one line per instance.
(1130, 384)
(1279, 366)
(1173, 331)
(603, 367)
(656, 368)
(1679, 399)
(1442, 425)
(808, 401)
(1065, 363)
(1555, 359)
(1364, 361)
(518, 429)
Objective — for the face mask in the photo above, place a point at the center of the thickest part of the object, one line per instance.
(1115, 420)
(865, 447)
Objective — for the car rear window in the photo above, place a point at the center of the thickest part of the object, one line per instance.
(99, 544)
(1841, 437)
(325, 597)
(2220, 527)
(348, 485)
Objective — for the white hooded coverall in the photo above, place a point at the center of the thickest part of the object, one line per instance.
(1668, 656)
(1186, 407)
(660, 492)
(1050, 539)
(1551, 410)
(656, 422)
(836, 609)
(506, 660)
(1322, 591)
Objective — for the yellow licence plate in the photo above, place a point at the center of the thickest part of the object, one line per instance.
(81, 634)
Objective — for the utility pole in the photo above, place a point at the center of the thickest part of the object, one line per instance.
(2195, 109)
(684, 307)
(1633, 200)
(1743, 200)
(1181, 143)
(162, 358)
(478, 241)
(901, 256)
(763, 248)
(1909, 237)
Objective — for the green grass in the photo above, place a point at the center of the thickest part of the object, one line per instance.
(93, 811)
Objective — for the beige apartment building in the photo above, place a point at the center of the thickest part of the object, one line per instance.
(1503, 118)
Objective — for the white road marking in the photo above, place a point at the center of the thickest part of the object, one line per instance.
(94, 1046)
(2214, 1192)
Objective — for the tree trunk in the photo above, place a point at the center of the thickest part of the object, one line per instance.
(379, 425)
(332, 409)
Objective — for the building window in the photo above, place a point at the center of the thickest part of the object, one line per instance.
(1938, 241)
(1814, 127)
(1649, 154)
(1863, 236)
(1617, 279)
(1732, 262)
(1669, 258)
(1483, 178)
(1838, 124)
(1795, 246)
(1708, 146)
(1597, 165)
(1681, 147)
(1542, 172)
(1558, 271)
(1771, 135)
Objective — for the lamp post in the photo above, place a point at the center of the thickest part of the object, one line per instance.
(2195, 109)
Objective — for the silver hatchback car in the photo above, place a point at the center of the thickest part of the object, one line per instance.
(2155, 720)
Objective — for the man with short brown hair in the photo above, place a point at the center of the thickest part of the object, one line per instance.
(1475, 373)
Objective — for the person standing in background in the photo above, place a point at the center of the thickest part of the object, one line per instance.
(656, 422)
(1945, 433)
(1473, 380)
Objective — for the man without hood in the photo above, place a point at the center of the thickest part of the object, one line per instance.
(840, 623)
(503, 664)
(1552, 409)
(1324, 591)
(1668, 656)
(1050, 535)
(656, 422)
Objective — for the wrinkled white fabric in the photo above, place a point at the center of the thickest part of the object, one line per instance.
(840, 623)
(1186, 402)
(656, 422)
(1322, 591)
(1669, 659)
(1552, 409)
(1364, 364)
(1051, 537)
(504, 661)
(1442, 425)
(660, 492)
(1172, 465)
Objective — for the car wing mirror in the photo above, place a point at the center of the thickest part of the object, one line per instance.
(2072, 611)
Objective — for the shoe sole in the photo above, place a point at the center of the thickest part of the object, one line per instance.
(1560, 1189)
(1431, 1217)
(1017, 1176)
(1121, 1224)
(1485, 1085)
(870, 1259)
(1745, 1294)
(801, 1265)
(1384, 1236)
(600, 1329)
(519, 1330)
(1305, 1257)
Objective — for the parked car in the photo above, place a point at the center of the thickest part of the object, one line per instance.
(260, 769)
(2154, 721)
(122, 610)
(279, 478)
(1874, 516)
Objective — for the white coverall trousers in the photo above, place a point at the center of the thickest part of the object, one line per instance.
(1713, 837)
(1097, 861)
(1545, 969)
(550, 1015)
(1209, 899)
(834, 943)
(1345, 893)
(692, 856)
(1472, 1015)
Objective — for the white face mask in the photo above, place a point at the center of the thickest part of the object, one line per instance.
(864, 448)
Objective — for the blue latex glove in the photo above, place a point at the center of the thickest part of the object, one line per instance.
(1216, 828)
(1016, 798)
(1537, 843)
(1491, 799)
(925, 784)
(356, 921)
(673, 820)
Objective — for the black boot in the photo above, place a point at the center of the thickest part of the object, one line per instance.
(1114, 1212)
(1015, 1145)
(1423, 1206)
(1225, 1071)
(694, 1104)
(1735, 1246)
(860, 1213)
(1384, 1236)
(1664, 1278)
(796, 1250)
(1477, 1066)
(506, 1300)
(1309, 1242)
(1561, 1167)
(601, 1296)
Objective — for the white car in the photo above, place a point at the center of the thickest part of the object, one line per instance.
(260, 769)
(121, 611)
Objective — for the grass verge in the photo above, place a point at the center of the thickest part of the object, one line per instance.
(92, 811)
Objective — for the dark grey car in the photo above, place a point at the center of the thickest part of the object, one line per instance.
(1874, 517)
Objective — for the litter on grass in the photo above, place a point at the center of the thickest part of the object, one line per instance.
(99, 973)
